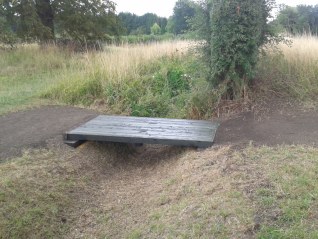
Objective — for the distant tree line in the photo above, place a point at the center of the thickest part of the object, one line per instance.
(138, 25)
(298, 20)
(45, 20)
(83, 20)
(183, 12)
(178, 23)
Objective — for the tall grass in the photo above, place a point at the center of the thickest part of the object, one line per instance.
(31, 71)
(157, 79)
(26, 71)
(292, 70)
(123, 62)
(141, 80)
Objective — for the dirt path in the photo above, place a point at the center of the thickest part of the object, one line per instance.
(288, 126)
(33, 128)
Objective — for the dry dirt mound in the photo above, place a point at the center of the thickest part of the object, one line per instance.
(32, 128)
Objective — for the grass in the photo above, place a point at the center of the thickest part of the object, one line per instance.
(158, 79)
(292, 71)
(41, 194)
(27, 71)
(288, 203)
(34, 202)
(256, 192)
(144, 80)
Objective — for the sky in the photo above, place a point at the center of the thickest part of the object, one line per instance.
(164, 8)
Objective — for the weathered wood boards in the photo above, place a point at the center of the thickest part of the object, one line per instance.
(139, 130)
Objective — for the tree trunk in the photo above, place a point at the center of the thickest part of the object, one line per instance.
(45, 12)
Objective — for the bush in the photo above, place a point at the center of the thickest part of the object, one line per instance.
(156, 94)
(233, 32)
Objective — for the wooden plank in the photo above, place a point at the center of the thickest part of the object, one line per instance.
(140, 130)
(143, 131)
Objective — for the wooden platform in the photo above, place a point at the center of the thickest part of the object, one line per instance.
(139, 130)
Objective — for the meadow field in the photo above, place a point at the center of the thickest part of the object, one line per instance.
(241, 189)
(158, 79)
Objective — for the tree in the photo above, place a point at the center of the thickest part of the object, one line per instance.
(170, 25)
(23, 17)
(298, 20)
(183, 11)
(45, 12)
(155, 29)
(134, 24)
(85, 20)
(7, 35)
(81, 20)
(233, 32)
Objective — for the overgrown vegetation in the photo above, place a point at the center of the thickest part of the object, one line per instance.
(292, 71)
(232, 33)
(169, 86)
(158, 79)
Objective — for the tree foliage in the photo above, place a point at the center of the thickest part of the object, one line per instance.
(155, 29)
(298, 20)
(135, 25)
(233, 32)
(6, 34)
(73, 19)
(183, 11)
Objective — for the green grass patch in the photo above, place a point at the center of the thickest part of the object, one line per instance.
(36, 199)
(289, 204)
(27, 71)
(77, 90)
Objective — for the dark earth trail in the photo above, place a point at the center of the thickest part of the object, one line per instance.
(33, 128)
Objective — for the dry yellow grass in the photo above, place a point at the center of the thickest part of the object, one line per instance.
(303, 49)
(118, 63)
(293, 69)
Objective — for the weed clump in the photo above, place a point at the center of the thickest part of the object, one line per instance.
(169, 86)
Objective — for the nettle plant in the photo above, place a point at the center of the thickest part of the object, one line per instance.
(233, 32)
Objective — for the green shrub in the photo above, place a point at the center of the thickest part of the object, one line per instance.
(164, 90)
(233, 32)
(151, 106)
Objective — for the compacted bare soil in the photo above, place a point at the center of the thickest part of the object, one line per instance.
(33, 128)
